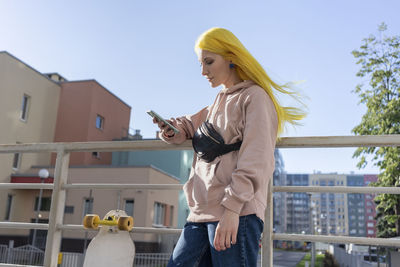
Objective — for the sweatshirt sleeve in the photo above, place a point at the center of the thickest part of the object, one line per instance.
(256, 162)
(187, 125)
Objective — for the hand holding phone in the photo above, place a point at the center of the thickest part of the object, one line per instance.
(161, 119)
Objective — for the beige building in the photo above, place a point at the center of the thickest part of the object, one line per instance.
(329, 210)
(149, 208)
(28, 108)
(37, 109)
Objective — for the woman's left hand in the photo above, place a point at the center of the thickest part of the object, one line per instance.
(226, 232)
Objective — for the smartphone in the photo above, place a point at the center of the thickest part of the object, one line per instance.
(159, 118)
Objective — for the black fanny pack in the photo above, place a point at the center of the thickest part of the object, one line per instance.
(209, 144)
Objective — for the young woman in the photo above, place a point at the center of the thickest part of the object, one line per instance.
(234, 140)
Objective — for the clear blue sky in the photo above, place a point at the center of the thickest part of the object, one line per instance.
(142, 51)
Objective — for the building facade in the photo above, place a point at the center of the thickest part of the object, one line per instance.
(279, 179)
(177, 163)
(28, 104)
(329, 209)
(332, 213)
(149, 208)
(370, 207)
(89, 112)
(297, 205)
(356, 207)
(46, 108)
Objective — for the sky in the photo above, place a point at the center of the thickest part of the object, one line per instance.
(142, 51)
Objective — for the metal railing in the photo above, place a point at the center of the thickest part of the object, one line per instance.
(22, 255)
(63, 150)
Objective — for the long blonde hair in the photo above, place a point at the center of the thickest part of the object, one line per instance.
(223, 42)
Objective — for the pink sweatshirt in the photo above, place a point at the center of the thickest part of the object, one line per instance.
(237, 180)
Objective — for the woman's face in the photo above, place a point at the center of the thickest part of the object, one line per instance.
(216, 69)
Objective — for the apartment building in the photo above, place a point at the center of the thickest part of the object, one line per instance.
(149, 208)
(298, 205)
(90, 112)
(45, 108)
(356, 207)
(329, 209)
(28, 104)
(177, 163)
(370, 207)
(279, 179)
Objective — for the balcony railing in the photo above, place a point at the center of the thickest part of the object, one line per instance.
(63, 150)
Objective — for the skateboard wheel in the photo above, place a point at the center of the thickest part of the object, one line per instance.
(90, 221)
(125, 223)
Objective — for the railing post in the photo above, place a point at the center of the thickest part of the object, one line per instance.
(267, 253)
(54, 235)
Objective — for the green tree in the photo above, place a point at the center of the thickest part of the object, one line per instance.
(379, 60)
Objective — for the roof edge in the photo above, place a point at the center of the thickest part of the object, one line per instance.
(30, 67)
(105, 88)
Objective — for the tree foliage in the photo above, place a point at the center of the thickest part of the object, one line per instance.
(379, 60)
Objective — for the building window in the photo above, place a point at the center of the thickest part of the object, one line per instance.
(16, 161)
(171, 215)
(129, 206)
(8, 208)
(25, 107)
(41, 235)
(96, 155)
(99, 122)
(87, 206)
(44, 205)
(159, 214)
(69, 209)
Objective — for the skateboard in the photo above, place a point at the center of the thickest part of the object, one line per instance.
(113, 245)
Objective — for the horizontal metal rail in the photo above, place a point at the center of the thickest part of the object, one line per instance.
(292, 237)
(339, 239)
(125, 186)
(26, 186)
(284, 142)
(339, 141)
(339, 189)
(79, 227)
(145, 230)
(22, 225)
(303, 189)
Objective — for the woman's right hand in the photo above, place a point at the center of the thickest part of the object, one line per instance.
(165, 130)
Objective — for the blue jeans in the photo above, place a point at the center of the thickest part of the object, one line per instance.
(195, 246)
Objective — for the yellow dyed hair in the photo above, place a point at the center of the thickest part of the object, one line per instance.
(223, 42)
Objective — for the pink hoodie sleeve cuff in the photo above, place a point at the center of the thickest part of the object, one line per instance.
(166, 138)
(232, 204)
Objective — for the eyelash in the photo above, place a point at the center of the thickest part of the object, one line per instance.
(207, 63)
